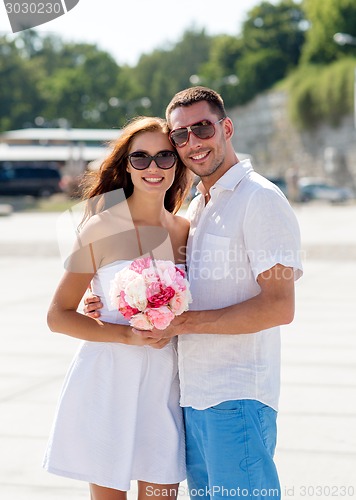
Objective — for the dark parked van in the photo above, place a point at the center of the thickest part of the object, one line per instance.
(35, 181)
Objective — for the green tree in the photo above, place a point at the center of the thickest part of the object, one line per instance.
(322, 93)
(165, 71)
(258, 71)
(279, 27)
(273, 36)
(44, 77)
(327, 18)
(79, 89)
(19, 96)
(220, 69)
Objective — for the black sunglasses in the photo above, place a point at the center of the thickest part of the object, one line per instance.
(204, 129)
(163, 159)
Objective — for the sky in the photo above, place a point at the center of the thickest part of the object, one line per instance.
(129, 28)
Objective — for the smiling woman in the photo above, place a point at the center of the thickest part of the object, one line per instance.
(155, 171)
(126, 156)
(119, 397)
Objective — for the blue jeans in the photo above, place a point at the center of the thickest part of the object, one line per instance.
(230, 450)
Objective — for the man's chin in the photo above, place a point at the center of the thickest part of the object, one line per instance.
(203, 174)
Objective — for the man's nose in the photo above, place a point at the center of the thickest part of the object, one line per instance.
(193, 140)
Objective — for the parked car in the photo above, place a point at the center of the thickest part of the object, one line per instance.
(318, 189)
(35, 181)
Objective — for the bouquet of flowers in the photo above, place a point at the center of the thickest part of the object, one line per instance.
(150, 293)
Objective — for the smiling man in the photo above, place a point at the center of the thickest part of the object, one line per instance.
(243, 258)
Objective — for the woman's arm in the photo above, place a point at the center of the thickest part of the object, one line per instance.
(63, 317)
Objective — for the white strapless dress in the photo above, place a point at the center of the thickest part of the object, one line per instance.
(118, 417)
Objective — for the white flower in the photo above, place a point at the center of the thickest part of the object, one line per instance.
(135, 293)
(120, 282)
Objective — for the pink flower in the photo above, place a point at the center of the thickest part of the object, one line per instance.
(162, 297)
(166, 271)
(124, 308)
(160, 317)
(153, 288)
(150, 293)
(179, 303)
(180, 271)
(139, 265)
(150, 275)
(181, 281)
(141, 322)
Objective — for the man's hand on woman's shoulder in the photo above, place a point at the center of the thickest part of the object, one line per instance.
(92, 306)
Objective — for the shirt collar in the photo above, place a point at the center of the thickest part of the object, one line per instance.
(231, 178)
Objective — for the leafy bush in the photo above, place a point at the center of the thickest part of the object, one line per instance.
(321, 93)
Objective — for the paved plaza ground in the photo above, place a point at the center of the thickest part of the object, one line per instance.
(316, 452)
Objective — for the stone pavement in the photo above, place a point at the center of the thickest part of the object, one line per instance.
(316, 451)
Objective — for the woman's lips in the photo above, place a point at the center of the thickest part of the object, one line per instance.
(153, 180)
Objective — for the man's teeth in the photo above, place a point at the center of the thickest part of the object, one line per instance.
(153, 179)
(199, 157)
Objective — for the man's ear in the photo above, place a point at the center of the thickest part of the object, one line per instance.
(228, 127)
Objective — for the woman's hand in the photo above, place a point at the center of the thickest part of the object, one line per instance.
(92, 308)
(175, 328)
(144, 338)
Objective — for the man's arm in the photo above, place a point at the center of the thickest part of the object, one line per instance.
(273, 306)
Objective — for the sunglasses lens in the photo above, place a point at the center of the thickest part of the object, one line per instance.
(204, 130)
(140, 161)
(165, 159)
(179, 137)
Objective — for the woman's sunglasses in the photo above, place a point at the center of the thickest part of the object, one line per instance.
(163, 159)
(204, 130)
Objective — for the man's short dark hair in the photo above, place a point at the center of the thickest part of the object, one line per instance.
(190, 96)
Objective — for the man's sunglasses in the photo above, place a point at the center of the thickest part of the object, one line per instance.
(204, 130)
(163, 159)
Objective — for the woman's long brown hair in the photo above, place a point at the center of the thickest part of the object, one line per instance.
(113, 175)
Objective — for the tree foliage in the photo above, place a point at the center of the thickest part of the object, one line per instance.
(164, 72)
(45, 80)
(259, 71)
(322, 94)
(277, 27)
(327, 18)
(322, 87)
(268, 48)
(19, 97)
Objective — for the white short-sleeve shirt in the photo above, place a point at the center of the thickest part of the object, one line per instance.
(246, 228)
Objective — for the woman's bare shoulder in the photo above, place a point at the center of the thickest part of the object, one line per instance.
(104, 238)
(111, 221)
(181, 222)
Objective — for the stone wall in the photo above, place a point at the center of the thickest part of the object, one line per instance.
(264, 130)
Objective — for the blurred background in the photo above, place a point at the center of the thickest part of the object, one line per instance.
(286, 70)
